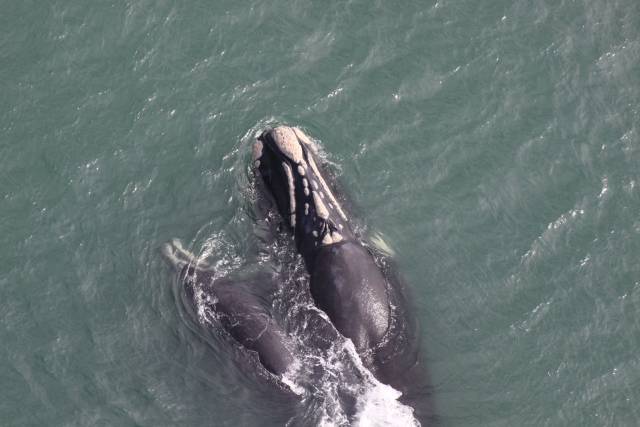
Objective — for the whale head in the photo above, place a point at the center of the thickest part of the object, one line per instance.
(286, 160)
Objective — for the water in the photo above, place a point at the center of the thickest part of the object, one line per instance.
(494, 146)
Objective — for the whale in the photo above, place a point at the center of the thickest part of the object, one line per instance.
(366, 302)
(242, 305)
(353, 283)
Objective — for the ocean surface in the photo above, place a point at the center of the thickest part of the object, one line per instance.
(493, 146)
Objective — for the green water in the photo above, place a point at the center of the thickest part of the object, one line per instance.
(495, 145)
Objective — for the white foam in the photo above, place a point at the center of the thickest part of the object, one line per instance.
(289, 377)
(377, 403)
(379, 406)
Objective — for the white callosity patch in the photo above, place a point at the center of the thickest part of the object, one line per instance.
(287, 142)
(331, 237)
(301, 170)
(327, 240)
(312, 163)
(305, 139)
(257, 150)
(256, 153)
(305, 185)
(321, 209)
(292, 195)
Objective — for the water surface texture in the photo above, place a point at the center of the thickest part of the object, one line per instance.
(493, 145)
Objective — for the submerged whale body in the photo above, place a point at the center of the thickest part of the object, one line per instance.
(364, 301)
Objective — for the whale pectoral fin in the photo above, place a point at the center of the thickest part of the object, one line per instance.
(171, 255)
(179, 257)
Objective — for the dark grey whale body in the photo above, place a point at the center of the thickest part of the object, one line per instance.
(241, 304)
(364, 302)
